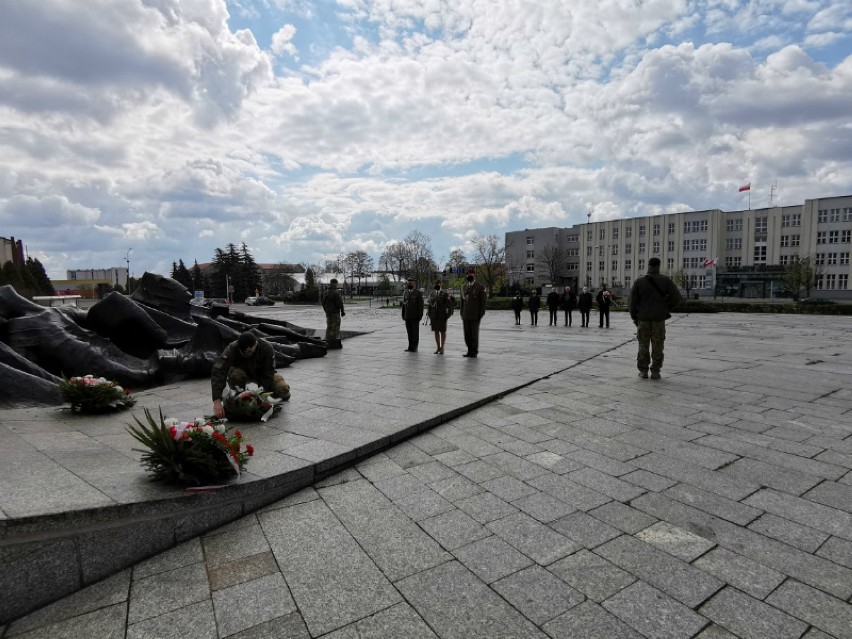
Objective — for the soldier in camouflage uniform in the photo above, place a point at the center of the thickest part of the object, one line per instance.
(333, 307)
(651, 299)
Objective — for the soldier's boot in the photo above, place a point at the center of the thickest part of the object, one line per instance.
(655, 374)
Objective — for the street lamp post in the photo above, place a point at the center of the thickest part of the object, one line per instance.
(127, 282)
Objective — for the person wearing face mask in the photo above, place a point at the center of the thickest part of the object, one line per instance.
(584, 304)
(473, 308)
(440, 308)
(412, 313)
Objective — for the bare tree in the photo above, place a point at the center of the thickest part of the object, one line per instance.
(554, 260)
(456, 262)
(395, 258)
(803, 274)
(422, 265)
(490, 262)
(681, 278)
(358, 264)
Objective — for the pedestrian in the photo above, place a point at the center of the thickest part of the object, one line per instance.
(553, 307)
(472, 310)
(651, 300)
(246, 359)
(517, 306)
(441, 306)
(412, 313)
(534, 304)
(569, 303)
(604, 300)
(584, 303)
(333, 307)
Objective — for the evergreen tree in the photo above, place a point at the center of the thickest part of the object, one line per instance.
(311, 292)
(43, 284)
(182, 275)
(197, 277)
(249, 276)
(11, 274)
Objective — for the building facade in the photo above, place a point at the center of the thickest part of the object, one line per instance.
(11, 250)
(752, 250)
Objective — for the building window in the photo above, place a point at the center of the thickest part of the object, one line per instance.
(627, 281)
(686, 245)
(602, 233)
(821, 237)
(530, 268)
(687, 227)
(530, 255)
(833, 237)
(785, 241)
(628, 249)
(702, 281)
(572, 252)
(589, 235)
(794, 240)
(588, 251)
(671, 228)
(760, 224)
(760, 253)
(846, 236)
(847, 215)
(601, 266)
(656, 229)
(530, 240)
(794, 219)
(573, 238)
(686, 262)
(819, 259)
(844, 258)
(842, 281)
(830, 281)
(784, 260)
(733, 262)
(702, 244)
(831, 259)
(670, 245)
(615, 232)
(614, 266)
(641, 247)
(641, 265)
(834, 216)
(628, 264)
(601, 250)
(703, 225)
(733, 243)
(822, 216)
(735, 224)
(670, 263)
(628, 231)
(589, 268)
(696, 245)
(641, 230)
(656, 248)
(615, 249)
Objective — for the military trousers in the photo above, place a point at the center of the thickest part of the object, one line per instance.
(238, 378)
(332, 325)
(652, 337)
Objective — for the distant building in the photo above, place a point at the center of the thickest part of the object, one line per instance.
(91, 283)
(11, 250)
(753, 248)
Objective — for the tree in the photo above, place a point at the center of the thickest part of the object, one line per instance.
(310, 292)
(197, 277)
(181, 274)
(802, 274)
(248, 278)
(554, 260)
(490, 260)
(681, 278)
(421, 262)
(394, 259)
(358, 264)
(456, 262)
(42, 281)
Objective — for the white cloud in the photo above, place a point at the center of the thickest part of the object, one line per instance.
(282, 41)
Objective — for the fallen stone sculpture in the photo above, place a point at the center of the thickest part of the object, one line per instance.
(155, 336)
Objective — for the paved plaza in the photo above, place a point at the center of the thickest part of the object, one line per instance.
(547, 491)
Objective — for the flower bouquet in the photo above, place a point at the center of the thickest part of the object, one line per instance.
(90, 394)
(190, 452)
(249, 404)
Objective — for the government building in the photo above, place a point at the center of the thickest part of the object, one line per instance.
(722, 253)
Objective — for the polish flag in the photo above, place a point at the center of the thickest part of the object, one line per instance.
(711, 261)
(745, 187)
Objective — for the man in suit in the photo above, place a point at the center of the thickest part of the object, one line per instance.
(472, 310)
(553, 307)
(604, 300)
(412, 313)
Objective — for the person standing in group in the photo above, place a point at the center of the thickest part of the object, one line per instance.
(534, 304)
(412, 313)
(651, 300)
(333, 307)
(553, 307)
(517, 306)
(604, 300)
(569, 303)
(472, 310)
(441, 306)
(584, 303)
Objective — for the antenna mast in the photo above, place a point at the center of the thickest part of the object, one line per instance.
(772, 190)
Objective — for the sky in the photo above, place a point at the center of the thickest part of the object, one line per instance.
(159, 130)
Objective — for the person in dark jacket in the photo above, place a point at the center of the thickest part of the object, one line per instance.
(474, 299)
(517, 306)
(534, 303)
(441, 305)
(246, 359)
(569, 303)
(651, 300)
(604, 300)
(584, 303)
(553, 307)
(412, 313)
(333, 307)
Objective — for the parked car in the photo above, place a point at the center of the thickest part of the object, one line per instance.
(210, 301)
(264, 301)
(251, 301)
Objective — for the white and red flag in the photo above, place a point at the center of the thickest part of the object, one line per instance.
(745, 187)
(711, 261)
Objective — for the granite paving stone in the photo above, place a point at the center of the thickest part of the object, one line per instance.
(749, 576)
(831, 494)
(710, 480)
(592, 575)
(515, 465)
(671, 575)
(814, 607)
(233, 545)
(589, 621)
(241, 570)
(538, 594)
(829, 520)
(455, 488)
(553, 462)
(104, 623)
(252, 602)
(648, 480)
(479, 471)
(423, 505)
(570, 492)
(166, 591)
(623, 517)
(399, 620)
(789, 532)
(491, 558)
(837, 550)
(290, 626)
(585, 529)
(536, 540)
(453, 529)
(445, 597)
(747, 617)
(675, 541)
(653, 613)
(184, 554)
(195, 621)
(606, 484)
(543, 507)
(602, 463)
(485, 507)
(508, 488)
(331, 579)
